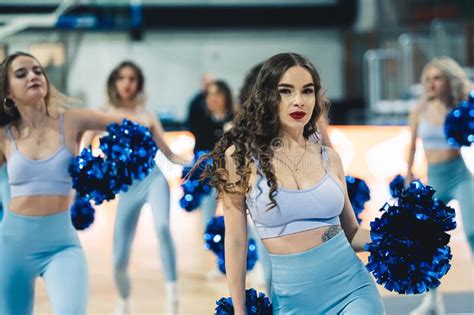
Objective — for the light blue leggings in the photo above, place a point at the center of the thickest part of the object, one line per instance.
(453, 180)
(155, 190)
(326, 279)
(47, 247)
(208, 207)
(4, 189)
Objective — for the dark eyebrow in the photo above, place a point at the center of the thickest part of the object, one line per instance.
(291, 86)
(19, 69)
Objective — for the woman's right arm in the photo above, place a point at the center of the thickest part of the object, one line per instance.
(413, 120)
(235, 219)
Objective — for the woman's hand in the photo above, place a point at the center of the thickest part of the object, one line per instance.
(360, 239)
(408, 179)
(180, 160)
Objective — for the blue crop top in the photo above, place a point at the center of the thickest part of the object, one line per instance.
(432, 135)
(47, 176)
(296, 210)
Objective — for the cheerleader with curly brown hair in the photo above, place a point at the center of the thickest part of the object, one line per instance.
(272, 164)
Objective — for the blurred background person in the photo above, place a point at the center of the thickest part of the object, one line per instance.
(209, 128)
(197, 107)
(445, 84)
(126, 95)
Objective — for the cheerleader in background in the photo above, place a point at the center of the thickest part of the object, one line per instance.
(208, 128)
(445, 84)
(125, 90)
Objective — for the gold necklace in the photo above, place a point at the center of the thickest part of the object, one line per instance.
(295, 167)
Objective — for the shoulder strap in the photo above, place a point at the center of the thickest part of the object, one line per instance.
(325, 155)
(257, 165)
(61, 127)
(10, 137)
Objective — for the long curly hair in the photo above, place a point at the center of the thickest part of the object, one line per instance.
(257, 125)
(249, 82)
(458, 80)
(56, 102)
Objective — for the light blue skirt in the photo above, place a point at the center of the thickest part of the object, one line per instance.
(327, 279)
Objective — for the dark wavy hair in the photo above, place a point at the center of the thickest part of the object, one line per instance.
(249, 83)
(55, 101)
(224, 89)
(112, 92)
(257, 125)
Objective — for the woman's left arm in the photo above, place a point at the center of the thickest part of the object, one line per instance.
(356, 235)
(89, 119)
(78, 121)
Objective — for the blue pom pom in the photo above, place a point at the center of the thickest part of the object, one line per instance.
(459, 123)
(214, 241)
(409, 252)
(214, 235)
(131, 147)
(221, 262)
(359, 194)
(255, 304)
(130, 152)
(92, 177)
(396, 186)
(252, 257)
(82, 214)
(194, 188)
(190, 201)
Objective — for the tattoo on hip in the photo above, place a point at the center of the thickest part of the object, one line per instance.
(330, 232)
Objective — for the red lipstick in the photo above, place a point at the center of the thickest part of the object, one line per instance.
(297, 115)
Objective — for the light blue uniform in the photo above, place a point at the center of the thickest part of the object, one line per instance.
(41, 246)
(155, 190)
(327, 279)
(4, 190)
(451, 179)
(47, 247)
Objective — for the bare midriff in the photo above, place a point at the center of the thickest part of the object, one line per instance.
(300, 242)
(40, 205)
(439, 156)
